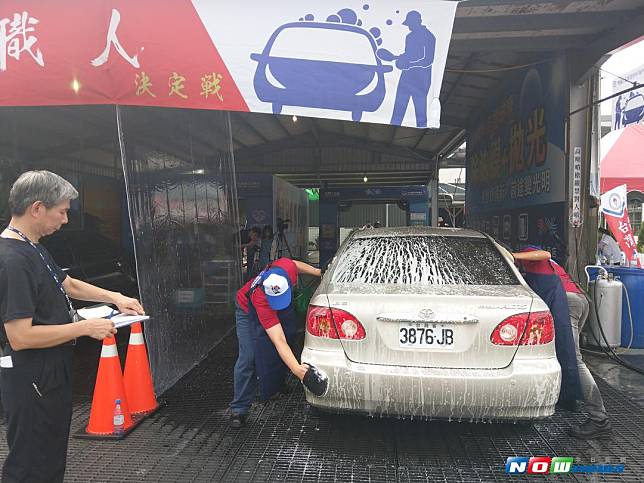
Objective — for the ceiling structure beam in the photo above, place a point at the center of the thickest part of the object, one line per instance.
(614, 38)
(356, 174)
(452, 144)
(307, 164)
(513, 3)
(76, 146)
(420, 139)
(448, 120)
(314, 183)
(278, 122)
(329, 140)
(470, 60)
(470, 86)
(546, 21)
(238, 117)
(547, 43)
(491, 76)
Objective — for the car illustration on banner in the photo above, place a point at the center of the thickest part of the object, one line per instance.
(321, 65)
(633, 110)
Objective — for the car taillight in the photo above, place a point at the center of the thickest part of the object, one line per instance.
(333, 324)
(525, 329)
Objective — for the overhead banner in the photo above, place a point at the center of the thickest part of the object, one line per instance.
(613, 206)
(379, 62)
(628, 108)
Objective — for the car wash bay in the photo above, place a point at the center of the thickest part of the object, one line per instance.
(178, 166)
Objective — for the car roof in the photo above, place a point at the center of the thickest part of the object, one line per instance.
(415, 231)
(639, 98)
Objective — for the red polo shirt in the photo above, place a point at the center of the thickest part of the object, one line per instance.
(566, 281)
(267, 316)
(549, 267)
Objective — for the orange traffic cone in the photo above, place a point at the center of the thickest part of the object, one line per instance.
(109, 387)
(138, 381)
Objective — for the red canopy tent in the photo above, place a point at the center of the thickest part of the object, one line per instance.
(623, 159)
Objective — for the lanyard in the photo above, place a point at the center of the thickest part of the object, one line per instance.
(51, 271)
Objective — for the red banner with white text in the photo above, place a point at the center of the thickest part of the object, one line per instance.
(613, 206)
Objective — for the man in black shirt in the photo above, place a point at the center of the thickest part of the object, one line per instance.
(37, 333)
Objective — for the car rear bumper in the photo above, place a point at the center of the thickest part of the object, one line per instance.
(527, 389)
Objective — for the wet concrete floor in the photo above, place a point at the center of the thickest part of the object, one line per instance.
(190, 440)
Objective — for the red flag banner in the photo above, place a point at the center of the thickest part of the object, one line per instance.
(613, 206)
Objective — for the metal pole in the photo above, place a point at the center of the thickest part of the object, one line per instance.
(599, 101)
(434, 199)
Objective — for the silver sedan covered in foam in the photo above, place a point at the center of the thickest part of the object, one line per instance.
(432, 323)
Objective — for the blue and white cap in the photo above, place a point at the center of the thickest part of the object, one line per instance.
(277, 288)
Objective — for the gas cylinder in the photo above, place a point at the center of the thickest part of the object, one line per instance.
(605, 309)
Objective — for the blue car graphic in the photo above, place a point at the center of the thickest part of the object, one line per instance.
(302, 65)
(633, 110)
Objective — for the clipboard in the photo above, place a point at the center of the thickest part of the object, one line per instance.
(107, 312)
(123, 320)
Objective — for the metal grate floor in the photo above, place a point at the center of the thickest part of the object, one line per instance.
(189, 440)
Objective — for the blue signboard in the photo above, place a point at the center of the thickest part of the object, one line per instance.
(255, 194)
(410, 193)
(516, 164)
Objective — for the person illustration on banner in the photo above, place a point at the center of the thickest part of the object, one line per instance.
(416, 66)
(619, 107)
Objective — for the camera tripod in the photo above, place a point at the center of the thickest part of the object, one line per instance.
(282, 245)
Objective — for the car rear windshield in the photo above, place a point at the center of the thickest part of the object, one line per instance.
(433, 260)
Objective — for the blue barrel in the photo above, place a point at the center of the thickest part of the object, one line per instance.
(633, 280)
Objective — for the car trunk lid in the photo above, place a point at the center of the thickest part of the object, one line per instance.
(446, 327)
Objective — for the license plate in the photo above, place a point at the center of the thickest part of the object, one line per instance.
(410, 335)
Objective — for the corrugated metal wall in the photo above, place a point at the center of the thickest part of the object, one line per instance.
(359, 214)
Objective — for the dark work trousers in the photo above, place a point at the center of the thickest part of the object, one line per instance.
(549, 288)
(37, 402)
(269, 367)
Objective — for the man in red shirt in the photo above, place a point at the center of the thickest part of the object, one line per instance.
(597, 425)
(265, 320)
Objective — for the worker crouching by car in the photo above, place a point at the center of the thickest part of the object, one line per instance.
(265, 320)
(569, 307)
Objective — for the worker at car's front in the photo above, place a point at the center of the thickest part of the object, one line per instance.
(265, 320)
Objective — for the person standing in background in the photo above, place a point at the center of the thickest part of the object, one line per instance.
(252, 248)
(267, 248)
(608, 250)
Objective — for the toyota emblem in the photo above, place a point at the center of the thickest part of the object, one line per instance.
(426, 314)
